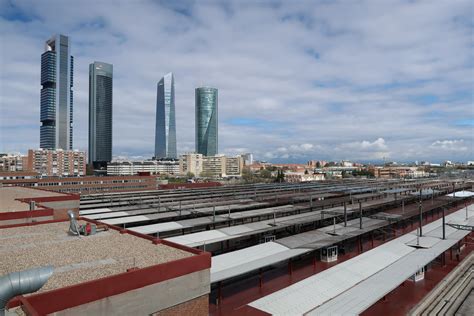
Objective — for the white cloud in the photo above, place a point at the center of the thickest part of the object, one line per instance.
(451, 145)
(376, 145)
(332, 73)
(376, 149)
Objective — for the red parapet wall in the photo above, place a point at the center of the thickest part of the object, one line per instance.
(83, 293)
(173, 186)
(86, 292)
(25, 214)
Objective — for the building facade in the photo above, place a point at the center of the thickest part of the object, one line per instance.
(218, 166)
(57, 163)
(248, 159)
(56, 112)
(165, 132)
(213, 167)
(234, 166)
(399, 172)
(79, 185)
(125, 168)
(191, 163)
(100, 113)
(206, 121)
(295, 177)
(12, 162)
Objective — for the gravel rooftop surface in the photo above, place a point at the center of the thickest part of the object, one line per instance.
(9, 194)
(75, 259)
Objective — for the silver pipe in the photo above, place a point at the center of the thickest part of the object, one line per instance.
(73, 227)
(22, 282)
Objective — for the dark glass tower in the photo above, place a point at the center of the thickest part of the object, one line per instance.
(165, 132)
(100, 114)
(56, 94)
(206, 121)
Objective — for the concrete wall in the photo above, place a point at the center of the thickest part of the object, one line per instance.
(60, 208)
(196, 307)
(149, 299)
(25, 220)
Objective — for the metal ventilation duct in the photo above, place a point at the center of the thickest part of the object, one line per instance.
(73, 227)
(22, 282)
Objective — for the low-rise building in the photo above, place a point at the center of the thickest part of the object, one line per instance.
(218, 166)
(12, 162)
(346, 163)
(56, 163)
(191, 163)
(213, 166)
(233, 166)
(399, 172)
(128, 168)
(294, 177)
(80, 185)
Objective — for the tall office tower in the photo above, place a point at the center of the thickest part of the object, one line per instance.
(57, 69)
(165, 132)
(100, 114)
(206, 121)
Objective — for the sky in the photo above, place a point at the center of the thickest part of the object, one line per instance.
(297, 80)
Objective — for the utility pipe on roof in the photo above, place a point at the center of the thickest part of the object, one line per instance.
(22, 282)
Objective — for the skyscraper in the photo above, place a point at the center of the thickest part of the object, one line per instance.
(100, 114)
(206, 121)
(165, 133)
(57, 69)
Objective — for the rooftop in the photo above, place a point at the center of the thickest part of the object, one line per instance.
(78, 259)
(9, 196)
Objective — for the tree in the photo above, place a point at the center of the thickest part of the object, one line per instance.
(280, 176)
(247, 175)
(190, 175)
(265, 173)
(206, 174)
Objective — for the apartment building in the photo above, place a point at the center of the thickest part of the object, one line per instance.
(12, 162)
(129, 168)
(57, 162)
(218, 166)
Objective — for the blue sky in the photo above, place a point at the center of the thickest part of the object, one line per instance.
(297, 80)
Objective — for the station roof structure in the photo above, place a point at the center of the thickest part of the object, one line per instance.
(242, 261)
(374, 273)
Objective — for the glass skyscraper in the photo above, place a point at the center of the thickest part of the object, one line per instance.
(165, 132)
(100, 114)
(57, 69)
(206, 121)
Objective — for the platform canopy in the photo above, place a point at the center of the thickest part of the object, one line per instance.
(233, 264)
(337, 291)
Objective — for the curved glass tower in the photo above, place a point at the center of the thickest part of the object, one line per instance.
(100, 113)
(165, 132)
(206, 121)
(56, 94)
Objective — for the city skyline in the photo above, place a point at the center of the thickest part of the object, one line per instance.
(329, 86)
